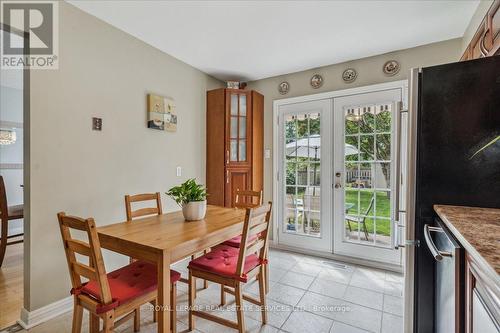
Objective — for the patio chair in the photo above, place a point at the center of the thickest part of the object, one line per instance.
(312, 209)
(360, 219)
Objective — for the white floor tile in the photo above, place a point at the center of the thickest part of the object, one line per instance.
(337, 275)
(343, 311)
(394, 305)
(306, 268)
(301, 321)
(339, 327)
(392, 323)
(371, 299)
(328, 288)
(297, 280)
(285, 294)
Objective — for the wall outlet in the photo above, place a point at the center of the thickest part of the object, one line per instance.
(96, 124)
(267, 153)
(178, 171)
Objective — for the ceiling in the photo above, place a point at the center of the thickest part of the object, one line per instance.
(250, 40)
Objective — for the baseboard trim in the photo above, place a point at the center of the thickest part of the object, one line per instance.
(374, 264)
(30, 319)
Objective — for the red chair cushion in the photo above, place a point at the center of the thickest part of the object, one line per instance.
(223, 260)
(127, 283)
(236, 241)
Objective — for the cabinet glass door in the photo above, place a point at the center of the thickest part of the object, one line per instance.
(238, 128)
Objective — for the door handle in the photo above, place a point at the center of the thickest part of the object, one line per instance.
(227, 176)
(438, 255)
(338, 185)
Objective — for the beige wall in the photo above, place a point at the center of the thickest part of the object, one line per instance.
(369, 72)
(107, 73)
(476, 19)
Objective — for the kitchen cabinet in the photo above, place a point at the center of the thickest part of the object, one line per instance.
(483, 320)
(486, 40)
(482, 307)
(235, 144)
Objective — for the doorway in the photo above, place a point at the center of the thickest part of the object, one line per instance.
(337, 167)
(14, 104)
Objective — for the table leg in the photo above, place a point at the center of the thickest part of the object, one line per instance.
(163, 302)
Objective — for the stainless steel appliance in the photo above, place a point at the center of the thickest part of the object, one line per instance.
(454, 110)
(449, 289)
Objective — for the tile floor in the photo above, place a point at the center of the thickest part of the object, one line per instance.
(306, 295)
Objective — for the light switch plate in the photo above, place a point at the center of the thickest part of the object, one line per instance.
(178, 171)
(267, 153)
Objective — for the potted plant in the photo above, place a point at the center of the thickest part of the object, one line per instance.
(192, 198)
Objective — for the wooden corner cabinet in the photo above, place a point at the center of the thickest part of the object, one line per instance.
(235, 144)
(486, 40)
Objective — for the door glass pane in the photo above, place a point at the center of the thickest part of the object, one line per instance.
(243, 127)
(367, 204)
(243, 105)
(383, 118)
(233, 150)
(234, 104)
(303, 174)
(367, 119)
(242, 150)
(234, 127)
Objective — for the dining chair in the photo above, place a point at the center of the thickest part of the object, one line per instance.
(230, 267)
(114, 297)
(244, 200)
(8, 214)
(148, 211)
(360, 219)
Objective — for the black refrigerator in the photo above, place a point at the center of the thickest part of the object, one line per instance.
(453, 158)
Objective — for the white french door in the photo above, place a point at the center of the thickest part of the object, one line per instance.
(305, 182)
(336, 186)
(365, 191)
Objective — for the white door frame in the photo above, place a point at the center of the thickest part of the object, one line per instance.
(402, 84)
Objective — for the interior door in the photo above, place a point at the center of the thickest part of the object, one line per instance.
(304, 177)
(365, 191)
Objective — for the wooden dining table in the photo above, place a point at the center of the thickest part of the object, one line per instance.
(167, 238)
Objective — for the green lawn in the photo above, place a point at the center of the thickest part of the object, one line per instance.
(382, 208)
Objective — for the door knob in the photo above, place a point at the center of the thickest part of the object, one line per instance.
(338, 185)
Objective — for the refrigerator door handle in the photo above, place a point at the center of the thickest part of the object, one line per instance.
(438, 255)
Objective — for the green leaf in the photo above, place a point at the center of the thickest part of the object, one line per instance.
(187, 192)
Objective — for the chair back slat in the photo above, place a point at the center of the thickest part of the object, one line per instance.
(255, 246)
(247, 199)
(95, 270)
(257, 230)
(131, 214)
(85, 271)
(254, 219)
(3, 202)
(79, 247)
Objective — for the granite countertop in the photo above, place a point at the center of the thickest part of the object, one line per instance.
(477, 229)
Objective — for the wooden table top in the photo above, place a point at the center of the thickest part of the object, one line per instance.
(170, 232)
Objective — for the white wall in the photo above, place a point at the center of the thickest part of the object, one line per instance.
(106, 73)
(11, 156)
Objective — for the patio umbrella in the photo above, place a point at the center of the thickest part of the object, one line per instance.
(311, 147)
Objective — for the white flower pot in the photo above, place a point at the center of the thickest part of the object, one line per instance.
(194, 210)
